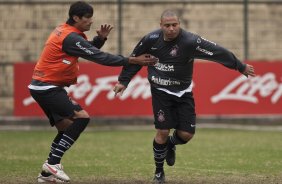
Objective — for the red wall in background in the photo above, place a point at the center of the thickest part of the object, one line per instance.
(218, 91)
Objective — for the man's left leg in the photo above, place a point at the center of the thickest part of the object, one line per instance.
(185, 116)
(179, 137)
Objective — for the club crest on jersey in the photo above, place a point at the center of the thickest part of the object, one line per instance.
(161, 116)
(174, 51)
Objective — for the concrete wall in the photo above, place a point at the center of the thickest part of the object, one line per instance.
(26, 26)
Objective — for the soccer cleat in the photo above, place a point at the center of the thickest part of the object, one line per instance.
(170, 156)
(159, 178)
(48, 179)
(56, 170)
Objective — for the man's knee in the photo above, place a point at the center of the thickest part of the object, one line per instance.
(161, 136)
(185, 136)
(80, 114)
(63, 124)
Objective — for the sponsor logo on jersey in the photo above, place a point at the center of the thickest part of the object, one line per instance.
(204, 51)
(164, 82)
(164, 67)
(83, 48)
(66, 62)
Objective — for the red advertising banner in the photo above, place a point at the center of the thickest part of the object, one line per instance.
(218, 91)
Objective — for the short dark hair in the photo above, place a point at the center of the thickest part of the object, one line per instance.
(80, 9)
(169, 13)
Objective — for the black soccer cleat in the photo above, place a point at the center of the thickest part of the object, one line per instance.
(159, 178)
(170, 156)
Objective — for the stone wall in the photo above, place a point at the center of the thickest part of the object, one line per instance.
(26, 26)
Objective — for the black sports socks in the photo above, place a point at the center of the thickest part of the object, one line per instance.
(55, 143)
(52, 149)
(70, 135)
(160, 151)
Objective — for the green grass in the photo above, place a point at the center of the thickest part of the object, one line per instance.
(213, 156)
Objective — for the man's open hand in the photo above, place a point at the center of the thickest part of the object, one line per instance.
(144, 60)
(249, 70)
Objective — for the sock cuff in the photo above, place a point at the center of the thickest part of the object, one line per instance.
(82, 120)
(159, 146)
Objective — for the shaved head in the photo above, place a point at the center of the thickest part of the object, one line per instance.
(168, 13)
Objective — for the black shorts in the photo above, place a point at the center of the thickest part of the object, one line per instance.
(172, 112)
(55, 103)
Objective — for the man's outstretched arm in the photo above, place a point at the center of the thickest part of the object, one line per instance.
(205, 49)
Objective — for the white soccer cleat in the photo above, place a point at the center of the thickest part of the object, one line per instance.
(48, 179)
(56, 170)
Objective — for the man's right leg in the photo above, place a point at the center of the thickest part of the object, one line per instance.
(68, 138)
(160, 150)
(46, 175)
(56, 105)
(52, 149)
(71, 133)
(67, 116)
(163, 120)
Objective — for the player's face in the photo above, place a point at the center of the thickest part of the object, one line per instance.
(170, 27)
(84, 23)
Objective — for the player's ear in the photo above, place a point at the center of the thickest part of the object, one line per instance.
(75, 18)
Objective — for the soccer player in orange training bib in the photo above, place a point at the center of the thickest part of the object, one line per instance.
(57, 68)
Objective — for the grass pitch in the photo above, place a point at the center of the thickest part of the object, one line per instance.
(122, 157)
